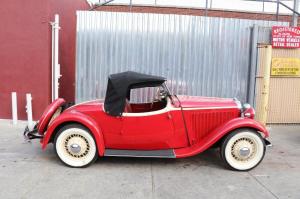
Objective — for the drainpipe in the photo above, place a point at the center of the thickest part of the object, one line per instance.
(206, 7)
(295, 16)
(266, 84)
(55, 65)
(277, 10)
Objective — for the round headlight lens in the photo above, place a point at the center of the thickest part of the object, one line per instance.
(249, 112)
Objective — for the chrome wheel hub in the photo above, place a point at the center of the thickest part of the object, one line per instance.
(77, 146)
(243, 149)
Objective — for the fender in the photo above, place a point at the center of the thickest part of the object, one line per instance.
(75, 116)
(46, 117)
(219, 133)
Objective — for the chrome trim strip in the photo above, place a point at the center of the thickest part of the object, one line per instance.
(211, 107)
(84, 102)
(170, 107)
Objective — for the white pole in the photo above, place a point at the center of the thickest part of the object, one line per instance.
(14, 107)
(29, 110)
(52, 61)
(56, 26)
(55, 65)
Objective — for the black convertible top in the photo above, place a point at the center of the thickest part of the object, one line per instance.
(119, 85)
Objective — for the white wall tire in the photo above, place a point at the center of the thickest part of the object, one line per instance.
(243, 149)
(75, 146)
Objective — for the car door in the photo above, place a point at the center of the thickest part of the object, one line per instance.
(147, 131)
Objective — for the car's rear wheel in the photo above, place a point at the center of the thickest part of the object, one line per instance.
(75, 146)
(243, 149)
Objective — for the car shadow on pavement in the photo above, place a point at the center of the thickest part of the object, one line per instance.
(209, 158)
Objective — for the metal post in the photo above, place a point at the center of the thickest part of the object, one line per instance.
(55, 65)
(266, 84)
(252, 66)
(277, 10)
(14, 107)
(130, 2)
(295, 16)
(29, 110)
(206, 7)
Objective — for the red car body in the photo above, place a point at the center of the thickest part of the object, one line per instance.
(181, 125)
(207, 120)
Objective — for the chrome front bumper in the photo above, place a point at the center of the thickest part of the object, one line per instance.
(32, 134)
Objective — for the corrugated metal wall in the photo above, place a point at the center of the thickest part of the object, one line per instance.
(199, 55)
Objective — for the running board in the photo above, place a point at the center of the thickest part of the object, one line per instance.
(138, 153)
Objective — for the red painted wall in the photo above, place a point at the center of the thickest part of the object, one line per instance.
(25, 52)
(67, 49)
(24, 55)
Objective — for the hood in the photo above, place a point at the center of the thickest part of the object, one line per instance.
(205, 102)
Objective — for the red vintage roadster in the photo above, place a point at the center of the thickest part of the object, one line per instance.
(169, 126)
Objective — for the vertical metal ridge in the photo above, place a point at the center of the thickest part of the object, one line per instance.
(198, 55)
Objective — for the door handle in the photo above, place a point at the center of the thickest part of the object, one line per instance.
(169, 115)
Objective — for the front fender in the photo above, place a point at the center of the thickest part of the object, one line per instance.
(75, 116)
(244, 123)
(219, 133)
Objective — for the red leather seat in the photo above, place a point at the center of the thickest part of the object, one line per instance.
(127, 108)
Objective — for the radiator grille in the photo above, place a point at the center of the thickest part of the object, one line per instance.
(200, 123)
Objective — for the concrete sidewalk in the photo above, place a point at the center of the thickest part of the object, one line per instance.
(28, 172)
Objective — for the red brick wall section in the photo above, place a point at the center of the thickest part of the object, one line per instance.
(195, 12)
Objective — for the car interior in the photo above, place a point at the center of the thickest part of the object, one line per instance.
(157, 103)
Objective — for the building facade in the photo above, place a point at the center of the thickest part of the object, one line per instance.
(25, 52)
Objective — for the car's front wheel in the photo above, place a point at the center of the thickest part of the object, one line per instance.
(75, 146)
(243, 149)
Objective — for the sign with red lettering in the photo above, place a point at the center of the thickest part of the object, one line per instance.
(285, 37)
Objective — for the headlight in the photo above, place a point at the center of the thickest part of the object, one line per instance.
(248, 112)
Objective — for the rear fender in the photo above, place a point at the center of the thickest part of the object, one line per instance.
(219, 133)
(48, 113)
(77, 117)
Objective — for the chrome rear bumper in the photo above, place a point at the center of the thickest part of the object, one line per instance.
(268, 143)
(31, 134)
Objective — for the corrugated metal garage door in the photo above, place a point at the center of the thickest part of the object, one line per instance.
(199, 55)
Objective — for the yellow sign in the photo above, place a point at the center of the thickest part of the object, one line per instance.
(285, 67)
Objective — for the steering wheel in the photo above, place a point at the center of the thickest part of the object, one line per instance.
(159, 95)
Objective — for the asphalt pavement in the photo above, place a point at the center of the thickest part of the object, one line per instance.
(26, 171)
